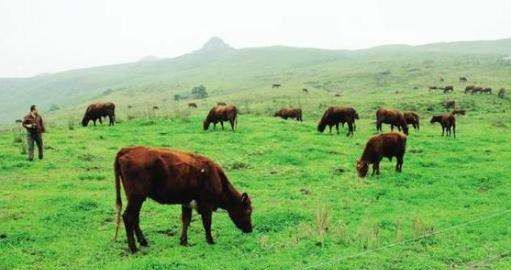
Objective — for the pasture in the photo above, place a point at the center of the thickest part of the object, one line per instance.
(449, 208)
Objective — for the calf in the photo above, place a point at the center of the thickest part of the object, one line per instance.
(387, 145)
(412, 118)
(447, 121)
(174, 177)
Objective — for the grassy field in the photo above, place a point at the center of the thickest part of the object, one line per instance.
(449, 208)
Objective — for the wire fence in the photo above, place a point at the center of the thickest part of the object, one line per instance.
(451, 228)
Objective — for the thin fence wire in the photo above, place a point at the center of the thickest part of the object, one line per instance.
(478, 264)
(339, 259)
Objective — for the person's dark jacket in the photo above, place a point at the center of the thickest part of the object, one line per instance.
(33, 123)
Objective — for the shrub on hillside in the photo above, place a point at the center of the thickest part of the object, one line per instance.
(199, 92)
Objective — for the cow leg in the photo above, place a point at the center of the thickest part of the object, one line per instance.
(232, 124)
(222, 123)
(101, 120)
(350, 129)
(129, 217)
(399, 164)
(337, 128)
(378, 126)
(138, 232)
(186, 217)
(94, 122)
(376, 168)
(454, 131)
(443, 130)
(329, 126)
(206, 214)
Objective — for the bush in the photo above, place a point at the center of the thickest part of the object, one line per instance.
(199, 92)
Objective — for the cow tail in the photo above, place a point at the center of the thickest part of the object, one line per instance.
(118, 202)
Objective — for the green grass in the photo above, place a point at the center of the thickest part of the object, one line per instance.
(310, 208)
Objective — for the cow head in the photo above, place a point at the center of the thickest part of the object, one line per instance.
(405, 129)
(85, 121)
(321, 126)
(241, 213)
(362, 168)
(205, 124)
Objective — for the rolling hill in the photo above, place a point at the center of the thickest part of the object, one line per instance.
(225, 70)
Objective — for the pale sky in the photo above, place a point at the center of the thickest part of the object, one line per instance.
(56, 35)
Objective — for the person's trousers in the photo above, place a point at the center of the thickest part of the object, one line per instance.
(36, 138)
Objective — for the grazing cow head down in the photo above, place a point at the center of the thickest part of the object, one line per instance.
(405, 129)
(321, 126)
(85, 121)
(241, 213)
(362, 168)
(205, 124)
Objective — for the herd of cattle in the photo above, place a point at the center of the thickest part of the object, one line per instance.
(174, 177)
(194, 181)
(470, 89)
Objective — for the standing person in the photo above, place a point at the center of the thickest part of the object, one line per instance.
(33, 123)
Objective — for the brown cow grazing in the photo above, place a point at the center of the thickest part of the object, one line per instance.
(448, 89)
(469, 89)
(174, 177)
(221, 103)
(305, 90)
(463, 79)
(286, 113)
(221, 114)
(447, 121)
(448, 104)
(98, 110)
(432, 87)
(192, 105)
(458, 111)
(502, 93)
(275, 85)
(412, 118)
(335, 115)
(391, 117)
(387, 145)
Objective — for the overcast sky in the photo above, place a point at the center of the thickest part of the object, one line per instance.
(55, 35)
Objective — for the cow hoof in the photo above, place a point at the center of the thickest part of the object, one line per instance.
(184, 243)
(133, 250)
(144, 243)
(211, 242)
